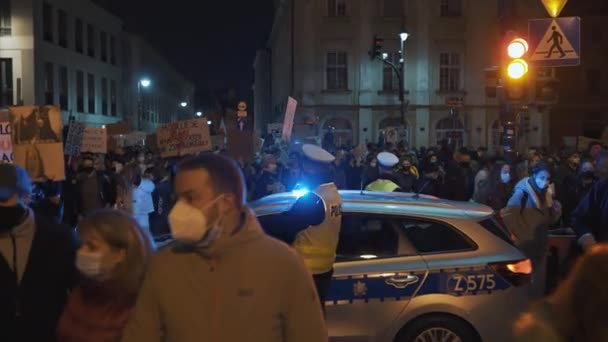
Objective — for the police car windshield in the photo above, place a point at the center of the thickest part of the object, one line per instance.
(494, 226)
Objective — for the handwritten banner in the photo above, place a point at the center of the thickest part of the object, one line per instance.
(94, 140)
(183, 137)
(74, 139)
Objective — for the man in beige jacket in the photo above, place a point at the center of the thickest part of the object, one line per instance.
(223, 279)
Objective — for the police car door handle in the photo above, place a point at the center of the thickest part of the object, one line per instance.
(401, 281)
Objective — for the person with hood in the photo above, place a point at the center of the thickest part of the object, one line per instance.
(36, 263)
(430, 183)
(499, 187)
(407, 175)
(223, 278)
(112, 259)
(143, 205)
(528, 215)
(576, 311)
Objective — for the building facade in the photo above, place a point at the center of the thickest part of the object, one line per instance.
(76, 55)
(318, 50)
(582, 109)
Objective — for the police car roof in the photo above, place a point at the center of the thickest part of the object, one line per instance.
(392, 203)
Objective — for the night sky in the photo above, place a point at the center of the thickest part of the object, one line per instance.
(212, 42)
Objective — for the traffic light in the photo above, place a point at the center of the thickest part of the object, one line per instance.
(515, 80)
(376, 50)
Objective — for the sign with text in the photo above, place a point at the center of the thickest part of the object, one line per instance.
(94, 140)
(37, 141)
(183, 137)
(74, 139)
(290, 113)
(6, 146)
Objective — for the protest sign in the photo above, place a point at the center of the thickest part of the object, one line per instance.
(118, 128)
(183, 137)
(135, 139)
(94, 140)
(290, 113)
(6, 146)
(37, 141)
(74, 139)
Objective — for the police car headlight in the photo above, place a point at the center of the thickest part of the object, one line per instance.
(300, 192)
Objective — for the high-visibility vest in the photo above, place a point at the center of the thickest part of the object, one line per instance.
(318, 244)
(382, 185)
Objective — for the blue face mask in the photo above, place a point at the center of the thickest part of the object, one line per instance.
(541, 183)
(505, 177)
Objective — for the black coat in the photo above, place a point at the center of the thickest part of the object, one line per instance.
(159, 219)
(44, 287)
(591, 214)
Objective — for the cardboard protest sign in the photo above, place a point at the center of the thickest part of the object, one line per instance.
(94, 140)
(6, 146)
(135, 139)
(37, 141)
(183, 137)
(118, 128)
(74, 139)
(290, 113)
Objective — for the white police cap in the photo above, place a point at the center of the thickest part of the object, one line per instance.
(387, 159)
(317, 154)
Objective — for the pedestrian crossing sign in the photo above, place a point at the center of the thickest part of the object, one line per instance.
(555, 42)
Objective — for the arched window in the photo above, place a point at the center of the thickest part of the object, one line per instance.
(393, 129)
(452, 130)
(341, 129)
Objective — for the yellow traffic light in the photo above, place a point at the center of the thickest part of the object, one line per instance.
(517, 68)
(517, 48)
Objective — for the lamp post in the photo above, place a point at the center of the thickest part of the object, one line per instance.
(145, 83)
(403, 37)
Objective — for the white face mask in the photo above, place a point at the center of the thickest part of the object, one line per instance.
(505, 177)
(118, 167)
(189, 224)
(90, 264)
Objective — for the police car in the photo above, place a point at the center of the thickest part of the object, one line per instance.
(417, 268)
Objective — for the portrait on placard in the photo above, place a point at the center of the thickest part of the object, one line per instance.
(37, 141)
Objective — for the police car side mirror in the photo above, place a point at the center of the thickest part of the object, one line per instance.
(308, 210)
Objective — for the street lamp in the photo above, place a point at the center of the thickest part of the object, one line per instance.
(403, 37)
(183, 104)
(384, 55)
(209, 122)
(199, 114)
(144, 82)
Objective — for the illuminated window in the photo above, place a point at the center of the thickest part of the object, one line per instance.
(337, 71)
(5, 17)
(49, 84)
(451, 8)
(336, 8)
(449, 71)
(390, 81)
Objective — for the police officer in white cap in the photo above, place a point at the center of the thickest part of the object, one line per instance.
(315, 218)
(386, 182)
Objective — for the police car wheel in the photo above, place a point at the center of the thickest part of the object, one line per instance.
(432, 328)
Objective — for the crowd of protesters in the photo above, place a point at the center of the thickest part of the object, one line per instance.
(113, 247)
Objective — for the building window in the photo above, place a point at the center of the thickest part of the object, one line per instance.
(49, 84)
(390, 82)
(63, 87)
(90, 41)
(337, 71)
(113, 98)
(112, 50)
(452, 130)
(449, 72)
(393, 8)
(47, 22)
(79, 36)
(80, 91)
(104, 96)
(91, 92)
(336, 8)
(62, 25)
(6, 82)
(451, 8)
(5, 17)
(103, 40)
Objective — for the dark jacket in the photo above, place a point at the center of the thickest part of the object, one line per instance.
(429, 186)
(264, 185)
(43, 290)
(406, 181)
(106, 190)
(161, 197)
(591, 215)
